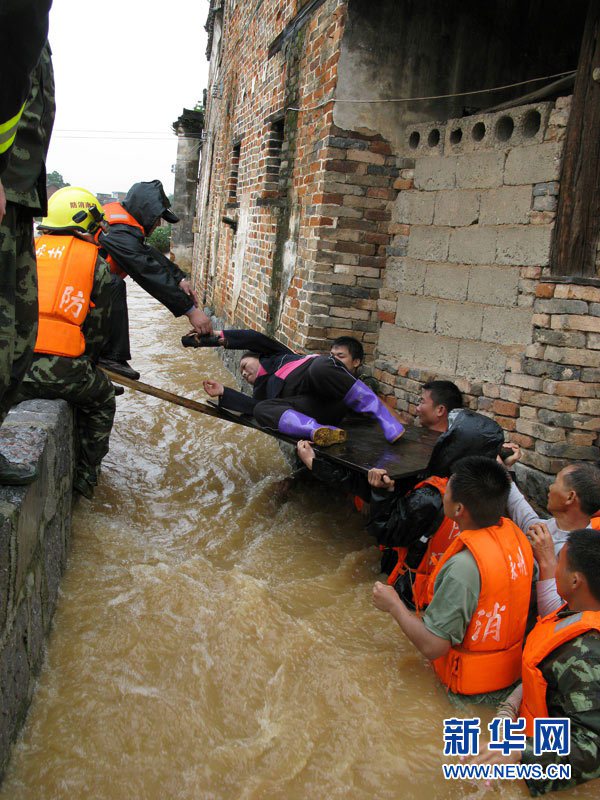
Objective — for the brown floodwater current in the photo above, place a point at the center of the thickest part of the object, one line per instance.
(213, 640)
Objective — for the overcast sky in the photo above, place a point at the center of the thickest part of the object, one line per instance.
(128, 67)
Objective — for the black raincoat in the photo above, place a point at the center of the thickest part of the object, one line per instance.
(410, 520)
(154, 272)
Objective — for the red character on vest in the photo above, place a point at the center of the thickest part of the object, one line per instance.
(481, 652)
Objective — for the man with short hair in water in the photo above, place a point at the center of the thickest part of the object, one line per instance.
(351, 353)
(478, 594)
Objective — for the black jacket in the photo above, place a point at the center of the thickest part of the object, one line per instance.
(399, 520)
(152, 270)
(272, 356)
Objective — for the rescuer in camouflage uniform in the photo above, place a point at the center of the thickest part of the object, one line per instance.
(569, 668)
(77, 379)
(24, 137)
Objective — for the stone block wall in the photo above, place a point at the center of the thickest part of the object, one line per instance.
(35, 530)
(473, 299)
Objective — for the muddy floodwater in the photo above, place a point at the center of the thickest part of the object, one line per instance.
(213, 640)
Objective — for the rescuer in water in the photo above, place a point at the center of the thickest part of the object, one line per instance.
(301, 396)
(351, 353)
(123, 241)
(478, 594)
(561, 671)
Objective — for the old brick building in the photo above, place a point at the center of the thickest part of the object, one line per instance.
(362, 172)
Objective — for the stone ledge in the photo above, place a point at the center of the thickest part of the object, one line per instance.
(35, 531)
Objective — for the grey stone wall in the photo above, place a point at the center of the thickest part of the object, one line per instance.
(35, 530)
(189, 131)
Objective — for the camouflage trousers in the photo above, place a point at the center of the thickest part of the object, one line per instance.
(92, 396)
(18, 302)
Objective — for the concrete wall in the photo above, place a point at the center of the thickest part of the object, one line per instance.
(471, 296)
(35, 529)
(408, 49)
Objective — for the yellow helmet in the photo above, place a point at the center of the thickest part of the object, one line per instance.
(73, 209)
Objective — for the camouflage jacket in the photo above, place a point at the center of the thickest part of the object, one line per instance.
(23, 31)
(96, 327)
(25, 176)
(572, 673)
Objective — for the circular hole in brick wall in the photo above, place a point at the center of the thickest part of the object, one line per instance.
(434, 138)
(504, 128)
(414, 139)
(531, 123)
(456, 136)
(478, 131)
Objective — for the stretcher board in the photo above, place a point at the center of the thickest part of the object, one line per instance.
(364, 448)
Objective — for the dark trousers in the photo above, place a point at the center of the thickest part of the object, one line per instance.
(117, 346)
(317, 391)
(92, 396)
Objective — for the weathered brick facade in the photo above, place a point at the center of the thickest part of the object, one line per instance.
(431, 245)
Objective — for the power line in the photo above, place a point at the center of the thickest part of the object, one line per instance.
(430, 97)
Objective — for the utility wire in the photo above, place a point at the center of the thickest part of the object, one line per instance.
(430, 97)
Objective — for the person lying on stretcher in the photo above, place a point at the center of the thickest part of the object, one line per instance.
(304, 396)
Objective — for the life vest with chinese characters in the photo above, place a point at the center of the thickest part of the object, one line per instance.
(550, 632)
(436, 547)
(116, 214)
(489, 657)
(65, 267)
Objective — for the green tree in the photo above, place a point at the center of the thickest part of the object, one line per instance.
(161, 239)
(56, 179)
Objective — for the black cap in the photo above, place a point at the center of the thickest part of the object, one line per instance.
(169, 216)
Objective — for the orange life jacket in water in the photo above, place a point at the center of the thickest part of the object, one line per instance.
(549, 633)
(436, 547)
(65, 267)
(489, 657)
(116, 214)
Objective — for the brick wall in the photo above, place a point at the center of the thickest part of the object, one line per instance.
(260, 273)
(432, 249)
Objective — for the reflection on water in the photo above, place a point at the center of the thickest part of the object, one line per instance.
(214, 641)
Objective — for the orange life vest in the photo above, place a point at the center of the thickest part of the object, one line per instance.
(116, 214)
(436, 546)
(489, 657)
(595, 523)
(549, 633)
(65, 267)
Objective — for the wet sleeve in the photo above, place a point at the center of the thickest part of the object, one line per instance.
(147, 267)
(340, 477)
(455, 598)
(23, 32)
(398, 521)
(573, 676)
(519, 510)
(237, 401)
(255, 341)
(548, 599)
